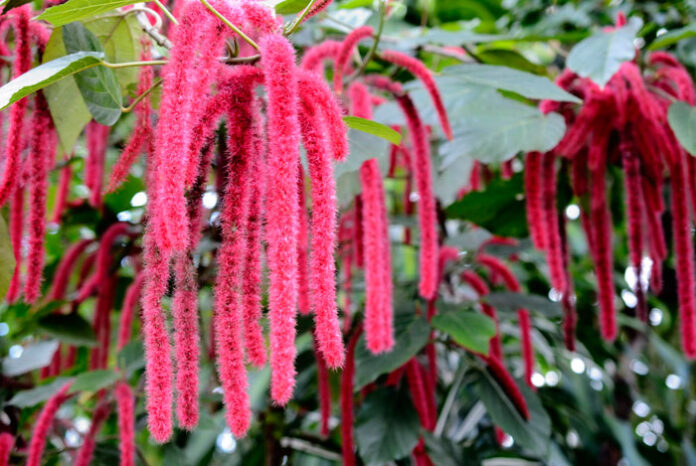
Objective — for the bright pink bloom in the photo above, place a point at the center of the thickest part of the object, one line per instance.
(158, 361)
(527, 348)
(346, 52)
(532, 186)
(14, 143)
(278, 61)
(84, 455)
(125, 407)
(551, 240)
(42, 147)
(318, 7)
(16, 231)
(427, 215)
(130, 303)
(6, 444)
(508, 384)
(302, 247)
(62, 192)
(633, 193)
(417, 387)
(61, 277)
(43, 425)
(97, 136)
(347, 400)
(186, 344)
(420, 71)
(102, 323)
(103, 260)
(314, 57)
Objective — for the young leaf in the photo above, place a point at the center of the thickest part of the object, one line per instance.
(98, 86)
(70, 328)
(290, 7)
(501, 77)
(470, 329)
(33, 357)
(387, 426)
(36, 395)
(599, 56)
(93, 381)
(47, 73)
(411, 334)
(75, 10)
(374, 128)
(682, 119)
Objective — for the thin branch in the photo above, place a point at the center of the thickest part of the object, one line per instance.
(300, 18)
(373, 49)
(449, 401)
(250, 60)
(137, 100)
(131, 64)
(166, 12)
(229, 24)
(152, 31)
(308, 447)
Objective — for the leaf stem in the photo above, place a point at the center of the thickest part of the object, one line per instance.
(166, 12)
(246, 38)
(300, 19)
(137, 100)
(373, 49)
(131, 64)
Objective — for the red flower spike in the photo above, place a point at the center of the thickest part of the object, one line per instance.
(130, 303)
(684, 256)
(314, 57)
(420, 71)
(186, 341)
(481, 289)
(16, 228)
(14, 141)
(427, 215)
(324, 391)
(42, 147)
(43, 425)
(125, 407)
(508, 384)
(527, 348)
(96, 136)
(347, 400)
(533, 196)
(84, 455)
(62, 193)
(551, 241)
(278, 61)
(417, 386)
(324, 225)
(345, 53)
(6, 443)
(65, 269)
(302, 247)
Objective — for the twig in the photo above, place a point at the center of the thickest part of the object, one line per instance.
(141, 96)
(373, 49)
(308, 447)
(295, 24)
(152, 31)
(166, 12)
(131, 64)
(229, 24)
(449, 402)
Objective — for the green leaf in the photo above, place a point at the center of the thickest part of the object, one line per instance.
(682, 119)
(387, 426)
(36, 395)
(93, 381)
(442, 451)
(131, 357)
(33, 357)
(501, 77)
(533, 435)
(75, 10)
(290, 7)
(470, 329)
(672, 37)
(7, 258)
(509, 58)
(120, 37)
(374, 128)
(70, 328)
(623, 432)
(98, 86)
(511, 302)
(499, 208)
(350, 4)
(599, 56)
(45, 74)
(411, 333)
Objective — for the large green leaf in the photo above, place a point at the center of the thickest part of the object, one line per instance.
(470, 329)
(120, 38)
(682, 119)
(93, 381)
(75, 10)
(98, 86)
(411, 334)
(533, 434)
(363, 146)
(501, 77)
(498, 208)
(599, 56)
(511, 302)
(70, 328)
(374, 128)
(34, 356)
(7, 258)
(387, 426)
(443, 452)
(36, 395)
(673, 37)
(47, 73)
(131, 358)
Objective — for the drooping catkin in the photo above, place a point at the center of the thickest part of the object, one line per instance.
(86, 451)
(345, 52)
(533, 198)
(427, 214)
(130, 303)
(14, 144)
(479, 285)
(417, 386)
(302, 246)
(96, 135)
(62, 192)
(16, 228)
(278, 61)
(186, 340)
(125, 407)
(102, 323)
(42, 146)
(347, 400)
(43, 425)
(323, 230)
(508, 384)
(61, 277)
(551, 240)
(6, 443)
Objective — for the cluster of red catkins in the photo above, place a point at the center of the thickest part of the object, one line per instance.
(263, 212)
(623, 124)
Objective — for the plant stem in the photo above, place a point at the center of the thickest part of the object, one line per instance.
(300, 18)
(246, 38)
(373, 49)
(137, 100)
(166, 12)
(131, 64)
